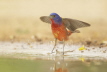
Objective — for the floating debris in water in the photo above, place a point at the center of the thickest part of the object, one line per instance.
(82, 59)
(93, 48)
(104, 51)
(82, 51)
(88, 43)
(82, 48)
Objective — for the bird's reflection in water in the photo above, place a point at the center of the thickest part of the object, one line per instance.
(78, 64)
(59, 64)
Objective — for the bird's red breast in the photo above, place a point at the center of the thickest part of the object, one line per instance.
(59, 31)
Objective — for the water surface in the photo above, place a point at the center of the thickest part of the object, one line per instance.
(57, 64)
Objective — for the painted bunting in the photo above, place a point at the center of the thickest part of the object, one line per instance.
(62, 28)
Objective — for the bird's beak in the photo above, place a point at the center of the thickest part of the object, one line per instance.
(51, 16)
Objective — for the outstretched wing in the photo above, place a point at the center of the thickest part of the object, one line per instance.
(73, 24)
(45, 19)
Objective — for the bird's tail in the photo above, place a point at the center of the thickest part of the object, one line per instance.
(76, 31)
(69, 32)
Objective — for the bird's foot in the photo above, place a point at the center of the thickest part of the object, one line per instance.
(63, 53)
(52, 52)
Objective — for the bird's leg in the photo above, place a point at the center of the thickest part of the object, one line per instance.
(54, 44)
(63, 46)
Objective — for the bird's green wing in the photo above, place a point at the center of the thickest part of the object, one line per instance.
(73, 24)
(45, 19)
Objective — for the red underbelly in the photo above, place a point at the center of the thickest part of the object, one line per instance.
(60, 33)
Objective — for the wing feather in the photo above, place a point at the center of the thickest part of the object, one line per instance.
(45, 19)
(73, 24)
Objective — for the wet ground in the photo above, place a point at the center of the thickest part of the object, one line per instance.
(37, 57)
(44, 49)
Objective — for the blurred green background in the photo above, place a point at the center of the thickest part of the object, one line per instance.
(39, 65)
(21, 65)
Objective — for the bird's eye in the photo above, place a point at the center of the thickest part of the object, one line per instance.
(53, 15)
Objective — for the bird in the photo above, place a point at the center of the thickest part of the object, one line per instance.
(62, 28)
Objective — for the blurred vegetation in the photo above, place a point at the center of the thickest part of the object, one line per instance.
(19, 19)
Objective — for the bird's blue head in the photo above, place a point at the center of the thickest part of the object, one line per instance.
(56, 18)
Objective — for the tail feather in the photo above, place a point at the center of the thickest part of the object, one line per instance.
(69, 32)
(76, 31)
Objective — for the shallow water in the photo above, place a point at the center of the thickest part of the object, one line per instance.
(37, 57)
(56, 64)
(37, 48)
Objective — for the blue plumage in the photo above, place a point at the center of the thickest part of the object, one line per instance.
(57, 19)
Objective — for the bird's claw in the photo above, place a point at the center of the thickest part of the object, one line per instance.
(63, 53)
(52, 52)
